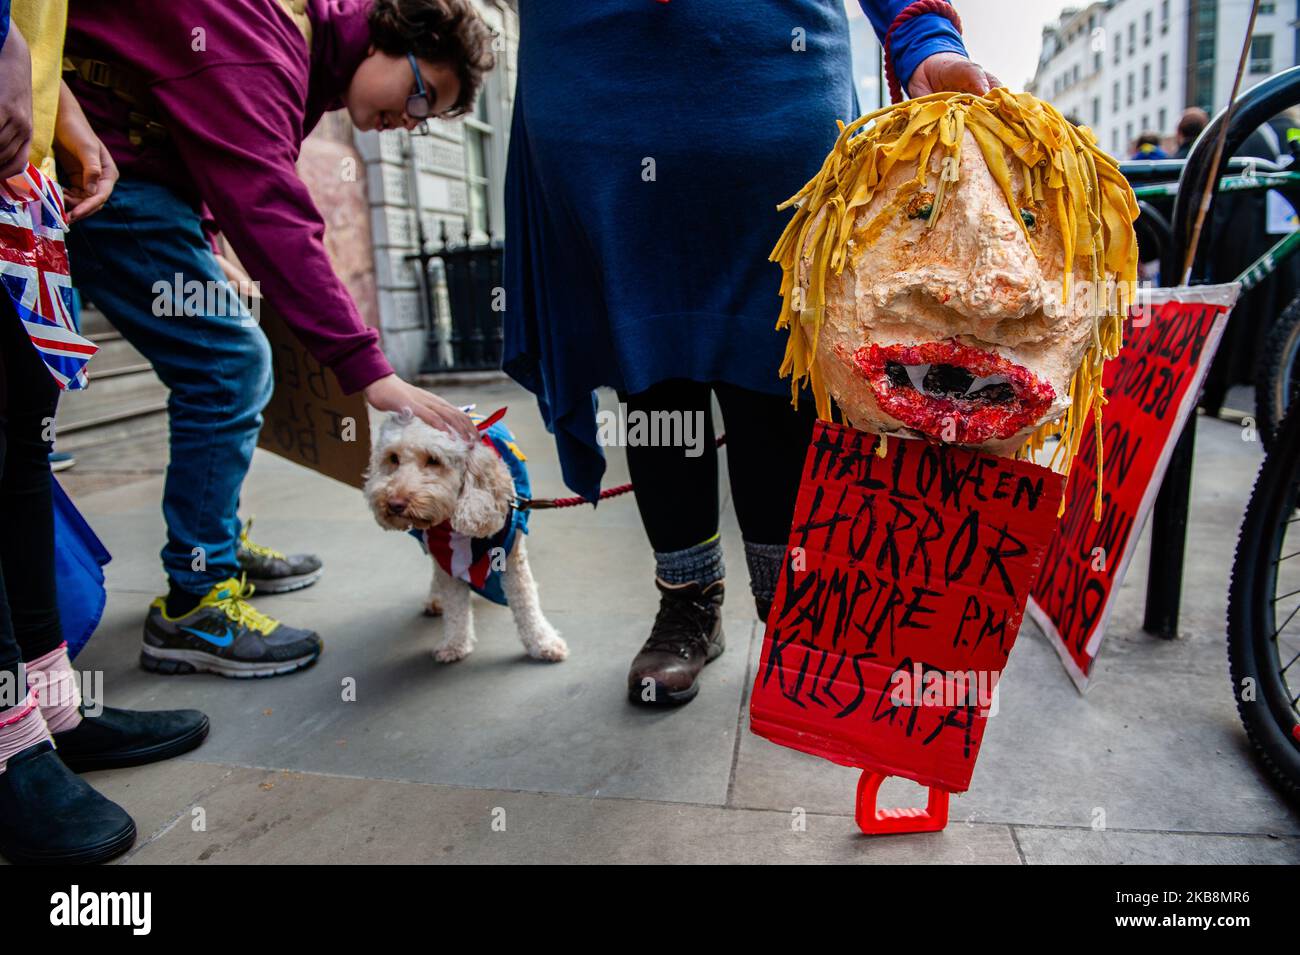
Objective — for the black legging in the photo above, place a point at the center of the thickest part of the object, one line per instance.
(29, 612)
(677, 495)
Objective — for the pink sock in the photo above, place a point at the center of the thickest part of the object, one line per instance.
(20, 727)
(57, 688)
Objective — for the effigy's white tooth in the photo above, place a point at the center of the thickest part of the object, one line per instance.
(979, 383)
(916, 374)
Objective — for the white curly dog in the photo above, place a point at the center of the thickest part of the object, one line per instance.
(420, 478)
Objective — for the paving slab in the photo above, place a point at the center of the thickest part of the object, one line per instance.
(494, 719)
(286, 817)
(1111, 847)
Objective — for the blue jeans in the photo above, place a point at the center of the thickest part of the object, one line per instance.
(134, 259)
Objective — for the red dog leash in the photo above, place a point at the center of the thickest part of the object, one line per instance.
(547, 503)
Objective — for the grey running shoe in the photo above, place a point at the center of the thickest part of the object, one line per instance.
(272, 572)
(225, 635)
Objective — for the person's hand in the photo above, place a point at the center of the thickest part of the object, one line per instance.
(950, 72)
(15, 104)
(88, 171)
(237, 277)
(393, 394)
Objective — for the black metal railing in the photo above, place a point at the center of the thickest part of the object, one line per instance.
(469, 338)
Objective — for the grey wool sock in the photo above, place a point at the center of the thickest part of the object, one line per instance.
(764, 561)
(700, 563)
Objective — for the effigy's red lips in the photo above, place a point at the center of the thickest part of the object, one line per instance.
(952, 392)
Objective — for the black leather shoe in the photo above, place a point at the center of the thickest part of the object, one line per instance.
(48, 816)
(686, 636)
(117, 738)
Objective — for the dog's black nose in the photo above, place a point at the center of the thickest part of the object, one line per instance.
(396, 506)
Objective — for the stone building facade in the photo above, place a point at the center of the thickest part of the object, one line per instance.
(1128, 67)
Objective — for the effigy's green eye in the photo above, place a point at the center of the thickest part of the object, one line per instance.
(920, 205)
(1028, 218)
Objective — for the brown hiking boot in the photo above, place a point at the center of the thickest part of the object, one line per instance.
(687, 634)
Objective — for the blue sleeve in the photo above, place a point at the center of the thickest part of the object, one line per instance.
(4, 22)
(916, 39)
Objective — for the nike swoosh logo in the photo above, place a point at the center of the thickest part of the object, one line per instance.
(212, 638)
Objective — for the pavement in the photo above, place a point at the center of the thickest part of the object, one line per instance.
(503, 759)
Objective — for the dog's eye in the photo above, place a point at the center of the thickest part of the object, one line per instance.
(431, 462)
(394, 459)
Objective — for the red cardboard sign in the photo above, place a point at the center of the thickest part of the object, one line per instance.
(903, 588)
(1151, 388)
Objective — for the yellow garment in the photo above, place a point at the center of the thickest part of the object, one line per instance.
(1060, 164)
(43, 23)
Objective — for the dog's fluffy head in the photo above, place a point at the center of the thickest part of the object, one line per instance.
(420, 476)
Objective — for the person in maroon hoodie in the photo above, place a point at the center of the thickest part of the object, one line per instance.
(204, 107)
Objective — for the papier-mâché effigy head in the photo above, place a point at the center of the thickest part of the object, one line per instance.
(959, 271)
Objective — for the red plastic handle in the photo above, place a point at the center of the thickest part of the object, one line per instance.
(875, 821)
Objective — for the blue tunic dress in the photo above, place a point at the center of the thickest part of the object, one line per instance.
(650, 145)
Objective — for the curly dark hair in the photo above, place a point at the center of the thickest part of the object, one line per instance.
(439, 31)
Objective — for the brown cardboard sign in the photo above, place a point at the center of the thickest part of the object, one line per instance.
(309, 419)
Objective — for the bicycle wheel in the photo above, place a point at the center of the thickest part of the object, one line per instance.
(1264, 612)
(1277, 372)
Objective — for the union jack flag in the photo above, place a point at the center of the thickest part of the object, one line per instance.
(34, 273)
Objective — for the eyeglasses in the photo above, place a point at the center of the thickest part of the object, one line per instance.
(419, 105)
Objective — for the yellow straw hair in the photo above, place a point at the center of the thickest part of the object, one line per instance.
(1061, 168)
